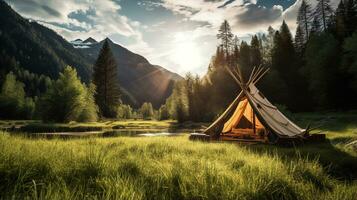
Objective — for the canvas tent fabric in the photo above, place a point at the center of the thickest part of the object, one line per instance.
(252, 103)
(243, 111)
(274, 119)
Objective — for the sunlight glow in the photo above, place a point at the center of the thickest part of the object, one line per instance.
(186, 53)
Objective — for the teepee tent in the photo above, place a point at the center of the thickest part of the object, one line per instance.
(252, 117)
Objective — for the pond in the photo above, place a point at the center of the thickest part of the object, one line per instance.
(142, 132)
(109, 133)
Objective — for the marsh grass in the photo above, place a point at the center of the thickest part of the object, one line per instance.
(163, 168)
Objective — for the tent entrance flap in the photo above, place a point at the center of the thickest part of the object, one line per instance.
(243, 120)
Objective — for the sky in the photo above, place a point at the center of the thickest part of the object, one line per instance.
(179, 35)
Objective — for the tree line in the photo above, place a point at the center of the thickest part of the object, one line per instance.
(25, 95)
(314, 71)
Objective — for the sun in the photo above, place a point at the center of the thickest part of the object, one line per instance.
(186, 54)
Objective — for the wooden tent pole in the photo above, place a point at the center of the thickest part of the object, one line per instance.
(240, 75)
(254, 129)
(251, 74)
(257, 73)
(261, 76)
(236, 73)
(233, 76)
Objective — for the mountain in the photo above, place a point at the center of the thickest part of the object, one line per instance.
(80, 44)
(28, 45)
(142, 80)
(35, 47)
(90, 40)
(77, 41)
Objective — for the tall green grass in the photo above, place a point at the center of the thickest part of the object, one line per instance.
(161, 168)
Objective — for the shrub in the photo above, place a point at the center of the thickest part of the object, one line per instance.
(90, 109)
(164, 113)
(68, 100)
(147, 111)
(13, 103)
(124, 112)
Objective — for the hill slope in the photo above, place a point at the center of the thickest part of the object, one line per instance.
(35, 47)
(40, 50)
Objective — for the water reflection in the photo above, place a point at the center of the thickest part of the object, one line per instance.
(108, 133)
(143, 133)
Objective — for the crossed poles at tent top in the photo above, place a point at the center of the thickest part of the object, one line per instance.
(256, 74)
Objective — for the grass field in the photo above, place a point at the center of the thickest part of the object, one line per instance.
(176, 168)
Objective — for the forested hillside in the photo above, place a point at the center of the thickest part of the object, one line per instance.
(31, 46)
(314, 71)
(36, 54)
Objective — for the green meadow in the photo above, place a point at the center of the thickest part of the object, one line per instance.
(177, 168)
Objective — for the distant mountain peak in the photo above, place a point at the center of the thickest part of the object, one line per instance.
(90, 40)
(108, 39)
(78, 43)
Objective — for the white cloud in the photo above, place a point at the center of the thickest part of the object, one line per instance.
(149, 5)
(105, 19)
(140, 46)
(245, 16)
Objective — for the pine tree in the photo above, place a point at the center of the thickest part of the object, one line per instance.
(106, 80)
(285, 51)
(299, 41)
(245, 61)
(201, 97)
(268, 46)
(284, 62)
(351, 16)
(255, 54)
(350, 65)
(304, 20)
(226, 37)
(180, 111)
(321, 72)
(192, 110)
(315, 27)
(323, 12)
(340, 20)
(219, 59)
(235, 56)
